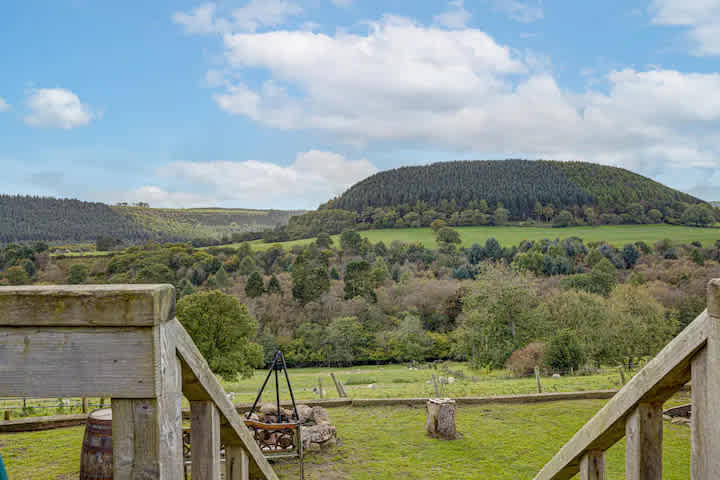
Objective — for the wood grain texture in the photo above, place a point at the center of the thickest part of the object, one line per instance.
(656, 382)
(136, 440)
(87, 305)
(714, 297)
(205, 440)
(237, 463)
(169, 402)
(592, 466)
(705, 434)
(77, 362)
(643, 443)
(199, 383)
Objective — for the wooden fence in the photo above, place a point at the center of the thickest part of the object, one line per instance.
(124, 342)
(635, 412)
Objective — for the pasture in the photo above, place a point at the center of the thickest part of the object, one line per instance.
(617, 235)
(498, 442)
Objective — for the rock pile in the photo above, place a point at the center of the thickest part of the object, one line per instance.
(317, 431)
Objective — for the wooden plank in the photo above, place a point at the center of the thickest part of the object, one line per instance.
(658, 381)
(87, 305)
(205, 440)
(592, 466)
(237, 463)
(705, 418)
(199, 383)
(77, 362)
(32, 424)
(714, 297)
(170, 403)
(136, 443)
(643, 443)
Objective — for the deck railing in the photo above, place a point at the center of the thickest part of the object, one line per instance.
(124, 342)
(635, 412)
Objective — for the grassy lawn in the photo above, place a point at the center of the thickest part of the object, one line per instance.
(499, 442)
(393, 381)
(513, 235)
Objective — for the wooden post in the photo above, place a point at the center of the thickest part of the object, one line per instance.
(537, 379)
(135, 439)
(592, 465)
(435, 386)
(7, 415)
(205, 440)
(320, 388)
(622, 375)
(338, 386)
(84, 404)
(102, 402)
(440, 421)
(643, 447)
(705, 418)
(237, 463)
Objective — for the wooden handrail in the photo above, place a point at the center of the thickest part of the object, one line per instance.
(635, 411)
(124, 342)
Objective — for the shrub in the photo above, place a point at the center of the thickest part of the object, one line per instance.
(78, 274)
(564, 351)
(522, 362)
(17, 276)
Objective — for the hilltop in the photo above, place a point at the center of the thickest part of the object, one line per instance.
(497, 192)
(46, 219)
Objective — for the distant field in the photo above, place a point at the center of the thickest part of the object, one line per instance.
(512, 235)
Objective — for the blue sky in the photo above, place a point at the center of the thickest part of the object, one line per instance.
(285, 103)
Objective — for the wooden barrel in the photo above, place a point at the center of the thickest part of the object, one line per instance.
(96, 462)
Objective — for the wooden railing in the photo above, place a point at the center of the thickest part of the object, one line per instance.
(636, 411)
(124, 342)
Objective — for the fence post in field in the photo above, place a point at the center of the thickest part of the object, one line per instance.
(622, 375)
(320, 388)
(435, 385)
(338, 386)
(7, 415)
(537, 379)
(85, 405)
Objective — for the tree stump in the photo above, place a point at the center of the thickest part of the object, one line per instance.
(441, 418)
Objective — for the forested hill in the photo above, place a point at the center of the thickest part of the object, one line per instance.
(35, 219)
(497, 192)
(517, 184)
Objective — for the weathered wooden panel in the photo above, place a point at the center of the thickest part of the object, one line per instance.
(237, 463)
(205, 439)
(77, 362)
(136, 440)
(87, 305)
(705, 440)
(643, 443)
(592, 466)
(169, 403)
(714, 297)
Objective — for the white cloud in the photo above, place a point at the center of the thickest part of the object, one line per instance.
(456, 17)
(4, 106)
(524, 11)
(255, 14)
(56, 108)
(461, 90)
(313, 178)
(702, 17)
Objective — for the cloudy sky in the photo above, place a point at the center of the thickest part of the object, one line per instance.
(285, 103)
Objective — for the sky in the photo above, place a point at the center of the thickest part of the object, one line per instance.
(285, 103)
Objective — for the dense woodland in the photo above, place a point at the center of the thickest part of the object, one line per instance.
(29, 219)
(496, 193)
(565, 303)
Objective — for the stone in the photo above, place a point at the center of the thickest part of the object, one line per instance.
(451, 380)
(556, 375)
(270, 409)
(318, 434)
(305, 413)
(320, 415)
(372, 385)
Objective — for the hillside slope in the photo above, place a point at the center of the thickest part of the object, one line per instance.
(517, 184)
(31, 219)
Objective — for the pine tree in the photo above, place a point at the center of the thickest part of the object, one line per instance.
(273, 286)
(254, 286)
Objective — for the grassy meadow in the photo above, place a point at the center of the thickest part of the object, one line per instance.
(512, 235)
(399, 381)
(498, 442)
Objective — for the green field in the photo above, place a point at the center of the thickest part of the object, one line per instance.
(498, 442)
(398, 381)
(513, 235)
